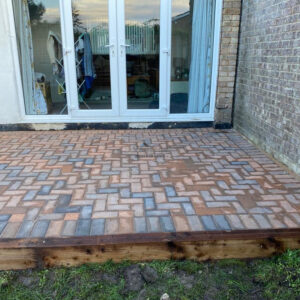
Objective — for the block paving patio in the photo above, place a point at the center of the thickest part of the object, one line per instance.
(82, 183)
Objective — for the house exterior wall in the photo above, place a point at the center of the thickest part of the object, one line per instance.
(10, 110)
(9, 104)
(227, 62)
(267, 106)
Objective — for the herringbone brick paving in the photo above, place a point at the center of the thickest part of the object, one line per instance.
(77, 183)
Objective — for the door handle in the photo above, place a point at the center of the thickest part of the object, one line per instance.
(167, 51)
(124, 46)
(112, 47)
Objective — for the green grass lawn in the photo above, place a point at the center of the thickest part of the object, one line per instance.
(274, 278)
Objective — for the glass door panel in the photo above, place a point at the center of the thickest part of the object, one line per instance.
(93, 50)
(41, 56)
(192, 55)
(142, 44)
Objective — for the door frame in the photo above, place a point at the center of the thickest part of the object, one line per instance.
(90, 116)
(164, 52)
(70, 67)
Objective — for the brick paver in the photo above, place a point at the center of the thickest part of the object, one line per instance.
(74, 183)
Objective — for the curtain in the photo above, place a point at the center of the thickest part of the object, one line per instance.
(34, 100)
(201, 56)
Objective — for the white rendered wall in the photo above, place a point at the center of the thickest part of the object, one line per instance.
(9, 103)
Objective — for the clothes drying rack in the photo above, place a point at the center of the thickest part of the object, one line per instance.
(62, 84)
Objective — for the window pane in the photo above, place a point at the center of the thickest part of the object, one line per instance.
(191, 60)
(91, 36)
(38, 32)
(142, 30)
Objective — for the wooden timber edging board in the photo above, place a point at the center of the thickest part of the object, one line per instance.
(200, 246)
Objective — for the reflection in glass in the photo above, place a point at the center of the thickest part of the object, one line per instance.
(91, 36)
(191, 60)
(142, 31)
(38, 31)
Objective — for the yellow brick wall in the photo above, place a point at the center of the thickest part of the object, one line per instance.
(227, 61)
(267, 102)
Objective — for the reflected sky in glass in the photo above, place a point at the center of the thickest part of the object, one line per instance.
(142, 10)
(94, 11)
(180, 6)
(52, 14)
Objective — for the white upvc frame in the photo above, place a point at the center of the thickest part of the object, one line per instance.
(94, 116)
(75, 111)
(215, 67)
(164, 53)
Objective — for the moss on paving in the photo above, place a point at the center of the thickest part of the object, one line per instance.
(274, 278)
